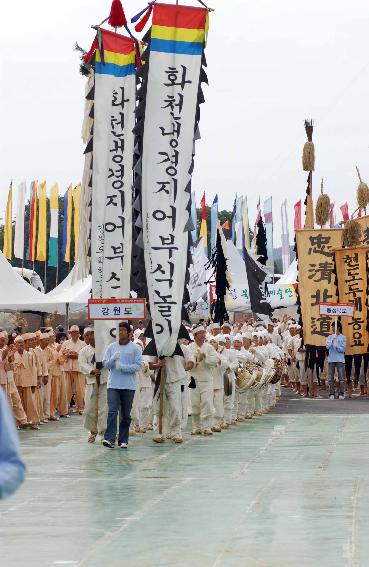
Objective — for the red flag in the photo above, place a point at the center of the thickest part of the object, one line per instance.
(297, 222)
(344, 211)
(203, 206)
(258, 216)
(359, 214)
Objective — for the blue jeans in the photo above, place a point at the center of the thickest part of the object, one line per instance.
(341, 377)
(119, 400)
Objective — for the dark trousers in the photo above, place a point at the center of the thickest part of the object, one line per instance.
(119, 400)
(356, 359)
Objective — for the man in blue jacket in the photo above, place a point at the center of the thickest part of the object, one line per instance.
(123, 359)
(12, 468)
(336, 345)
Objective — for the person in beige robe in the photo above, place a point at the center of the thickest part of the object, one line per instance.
(58, 402)
(75, 380)
(26, 381)
(96, 403)
(42, 359)
(3, 361)
(7, 360)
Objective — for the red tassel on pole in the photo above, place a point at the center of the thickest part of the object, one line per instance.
(142, 23)
(117, 18)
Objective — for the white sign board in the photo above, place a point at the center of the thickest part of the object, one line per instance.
(116, 309)
(337, 309)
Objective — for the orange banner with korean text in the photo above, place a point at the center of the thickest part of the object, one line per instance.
(316, 280)
(352, 276)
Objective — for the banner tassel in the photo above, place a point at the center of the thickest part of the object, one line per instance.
(117, 18)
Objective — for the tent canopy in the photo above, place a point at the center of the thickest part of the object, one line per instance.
(75, 293)
(17, 295)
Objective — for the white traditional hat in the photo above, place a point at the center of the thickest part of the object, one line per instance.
(220, 338)
(74, 328)
(247, 335)
(88, 330)
(198, 329)
(238, 338)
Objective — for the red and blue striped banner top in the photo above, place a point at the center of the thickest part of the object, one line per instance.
(178, 29)
(117, 56)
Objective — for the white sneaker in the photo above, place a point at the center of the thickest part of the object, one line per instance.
(123, 445)
(331, 397)
(341, 397)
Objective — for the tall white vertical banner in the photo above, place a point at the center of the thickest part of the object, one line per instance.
(176, 48)
(111, 224)
(19, 222)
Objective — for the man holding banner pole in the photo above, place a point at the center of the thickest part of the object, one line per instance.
(336, 345)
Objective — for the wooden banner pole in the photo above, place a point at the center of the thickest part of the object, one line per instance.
(161, 400)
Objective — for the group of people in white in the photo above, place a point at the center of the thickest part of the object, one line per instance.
(225, 374)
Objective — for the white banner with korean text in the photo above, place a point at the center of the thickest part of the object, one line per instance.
(111, 223)
(176, 48)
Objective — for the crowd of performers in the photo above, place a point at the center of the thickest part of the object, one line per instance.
(226, 375)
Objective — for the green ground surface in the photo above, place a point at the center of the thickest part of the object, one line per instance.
(286, 489)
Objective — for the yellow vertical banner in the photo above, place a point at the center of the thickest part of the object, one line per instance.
(8, 227)
(316, 280)
(42, 222)
(67, 235)
(76, 202)
(351, 264)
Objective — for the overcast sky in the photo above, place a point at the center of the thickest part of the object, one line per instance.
(270, 65)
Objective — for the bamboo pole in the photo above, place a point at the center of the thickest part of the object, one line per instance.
(161, 401)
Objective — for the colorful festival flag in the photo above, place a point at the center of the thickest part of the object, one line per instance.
(297, 223)
(268, 220)
(42, 222)
(76, 217)
(345, 212)
(285, 237)
(238, 226)
(245, 223)
(8, 226)
(67, 224)
(194, 216)
(214, 224)
(204, 225)
(19, 222)
(32, 222)
(54, 226)
(233, 221)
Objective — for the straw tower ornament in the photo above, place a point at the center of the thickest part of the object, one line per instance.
(352, 234)
(322, 208)
(362, 193)
(308, 152)
(308, 164)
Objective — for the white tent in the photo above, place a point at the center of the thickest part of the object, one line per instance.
(290, 276)
(74, 293)
(17, 295)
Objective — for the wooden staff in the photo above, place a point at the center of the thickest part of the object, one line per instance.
(161, 400)
(45, 273)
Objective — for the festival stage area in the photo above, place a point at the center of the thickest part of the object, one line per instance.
(286, 489)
